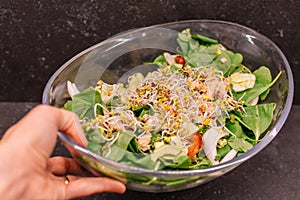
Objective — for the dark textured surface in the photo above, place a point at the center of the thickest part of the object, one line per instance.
(273, 173)
(37, 37)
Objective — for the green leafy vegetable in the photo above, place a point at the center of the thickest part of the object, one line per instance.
(95, 137)
(68, 105)
(199, 59)
(84, 102)
(204, 39)
(263, 76)
(259, 117)
(166, 151)
(115, 153)
(146, 162)
(124, 139)
(235, 128)
(236, 60)
(95, 147)
(185, 42)
(180, 162)
(133, 146)
(222, 152)
(239, 144)
(222, 62)
(261, 87)
(160, 61)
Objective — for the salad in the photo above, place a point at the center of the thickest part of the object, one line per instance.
(201, 107)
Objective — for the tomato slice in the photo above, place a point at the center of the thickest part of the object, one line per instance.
(179, 59)
(195, 146)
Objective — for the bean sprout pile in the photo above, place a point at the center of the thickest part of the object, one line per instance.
(179, 100)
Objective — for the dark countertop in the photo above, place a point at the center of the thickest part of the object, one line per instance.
(273, 173)
(38, 36)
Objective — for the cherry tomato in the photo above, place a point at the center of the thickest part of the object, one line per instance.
(195, 146)
(179, 60)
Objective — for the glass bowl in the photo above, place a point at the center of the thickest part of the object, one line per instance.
(121, 55)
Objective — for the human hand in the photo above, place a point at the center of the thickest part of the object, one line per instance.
(26, 170)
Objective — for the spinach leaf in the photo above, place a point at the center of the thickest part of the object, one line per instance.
(142, 160)
(133, 146)
(119, 149)
(83, 103)
(186, 42)
(196, 59)
(222, 62)
(115, 153)
(239, 144)
(166, 151)
(202, 55)
(236, 60)
(160, 61)
(124, 139)
(113, 102)
(142, 110)
(146, 162)
(249, 95)
(204, 39)
(95, 147)
(200, 50)
(203, 162)
(263, 75)
(235, 128)
(196, 43)
(68, 105)
(222, 152)
(130, 158)
(180, 162)
(239, 129)
(258, 118)
(95, 137)
(211, 49)
(261, 87)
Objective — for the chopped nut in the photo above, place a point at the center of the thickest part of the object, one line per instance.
(223, 60)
